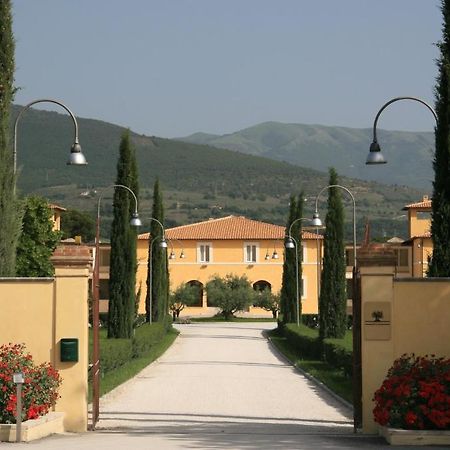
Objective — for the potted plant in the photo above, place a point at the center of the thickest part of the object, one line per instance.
(415, 395)
(39, 390)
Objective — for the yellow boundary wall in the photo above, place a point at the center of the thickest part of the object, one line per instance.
(39, 312)
(416, 318)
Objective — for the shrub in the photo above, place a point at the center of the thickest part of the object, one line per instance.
(114, 353)
(338, 356)
(230, 294)
(269, 301)
(146, 337)
(309, 345)
(39, 391)
(304, 340)
(415, 394)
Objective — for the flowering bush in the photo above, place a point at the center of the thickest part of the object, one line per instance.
(415, 394)
(39, 391)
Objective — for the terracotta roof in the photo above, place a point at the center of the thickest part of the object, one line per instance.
(230, 227)
(418, 236)
(425, 203)
(53, 206)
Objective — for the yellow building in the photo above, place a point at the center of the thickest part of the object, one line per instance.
(232, 245)
(56, 215)
(419, 228)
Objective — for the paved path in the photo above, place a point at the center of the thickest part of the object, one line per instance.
(220, 386)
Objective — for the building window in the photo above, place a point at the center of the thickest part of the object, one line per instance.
(104, 289)
(204, 253)
(349, 288)
(105, 254)
(250, 252)
(402, 257)
(423, 215)
(302, 288)
(349, 256)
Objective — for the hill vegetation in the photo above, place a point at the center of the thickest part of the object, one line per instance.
(198, 181)
(319, 147)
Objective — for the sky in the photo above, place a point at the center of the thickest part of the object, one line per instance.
(171, 68)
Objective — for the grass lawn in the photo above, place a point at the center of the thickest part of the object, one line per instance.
(328, 375)
(118, 376)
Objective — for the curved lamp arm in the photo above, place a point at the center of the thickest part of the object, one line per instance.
(135, 215)
(316, 213)
(296, 220)
(162, 227)
(375, 156)
(76, 156)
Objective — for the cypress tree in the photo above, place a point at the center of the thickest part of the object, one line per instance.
(288, 295)
(332, 301)
(10, 215)
(159, 265)
(440, 218)
(123, 249)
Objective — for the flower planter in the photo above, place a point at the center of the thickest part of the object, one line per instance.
(51, 423)
(395, 436)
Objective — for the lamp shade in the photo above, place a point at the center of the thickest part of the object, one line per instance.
(76, 157)
(289, 243)
(316, 222)
(163, 243)
(135, 221)
(375, 156)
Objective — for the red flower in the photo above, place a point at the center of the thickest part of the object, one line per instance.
(39, 391)
(415, 394)
(410, 418)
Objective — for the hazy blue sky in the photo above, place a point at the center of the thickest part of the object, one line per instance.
(173, 67)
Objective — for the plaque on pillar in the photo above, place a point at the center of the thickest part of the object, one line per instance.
(377, 321)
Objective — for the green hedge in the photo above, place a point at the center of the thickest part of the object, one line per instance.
(114, 353)
(146, 337)
(118, 352)
(335, 352)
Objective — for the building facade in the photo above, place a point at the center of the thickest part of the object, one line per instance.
(233, 245)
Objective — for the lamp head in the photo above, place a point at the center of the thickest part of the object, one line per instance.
(163, 243)
(375, 156)
(135, 221)
(316, 222)
(274, 255)
(76, 157)
(289, 242)
(172, 255)
(267, 256)
(182, 255)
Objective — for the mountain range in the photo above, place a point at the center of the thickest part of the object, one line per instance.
(199, 181)
(319, 147)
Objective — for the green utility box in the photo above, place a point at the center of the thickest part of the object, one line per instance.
(69, 349)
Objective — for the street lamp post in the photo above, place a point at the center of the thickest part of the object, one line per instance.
(375, 156)
(135, 222)
(356, 312)
(76, 156)
(292, 243)
(162, 244)
(316, 222)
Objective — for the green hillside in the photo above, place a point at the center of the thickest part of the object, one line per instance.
(318, 147)
(199, 181)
